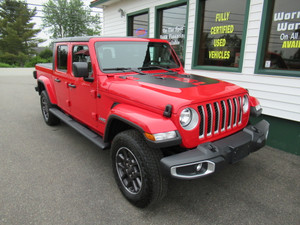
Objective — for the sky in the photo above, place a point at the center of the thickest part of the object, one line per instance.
(44, 34)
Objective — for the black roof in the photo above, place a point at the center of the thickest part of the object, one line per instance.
(87, 38)
(74, 39)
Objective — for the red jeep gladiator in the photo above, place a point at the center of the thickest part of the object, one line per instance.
(132, 96)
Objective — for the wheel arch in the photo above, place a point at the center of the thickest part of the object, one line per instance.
(117, 124)
(45, 84)
(124, 117)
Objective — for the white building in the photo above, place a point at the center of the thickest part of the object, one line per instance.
(252, 43)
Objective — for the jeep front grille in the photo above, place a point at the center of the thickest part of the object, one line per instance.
(219, 116)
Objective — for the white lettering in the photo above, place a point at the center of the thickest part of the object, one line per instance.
(282, 26)
(291, 26)
(278, 16)
(294, 36)
(284, 36)
(287, 16)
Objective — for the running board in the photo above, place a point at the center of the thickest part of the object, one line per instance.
(93, 137)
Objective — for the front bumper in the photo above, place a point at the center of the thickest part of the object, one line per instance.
(208, 157)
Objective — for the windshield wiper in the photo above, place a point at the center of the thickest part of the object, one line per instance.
(157, 67)
(124, 69)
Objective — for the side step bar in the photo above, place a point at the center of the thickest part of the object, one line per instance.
(95, 138)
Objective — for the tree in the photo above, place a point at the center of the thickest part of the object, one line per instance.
(17, 36)
(69, 18)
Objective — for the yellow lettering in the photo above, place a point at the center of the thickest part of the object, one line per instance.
(291, 44)
(219, 42)
(219, 54)
(227, 29)
(224, 16)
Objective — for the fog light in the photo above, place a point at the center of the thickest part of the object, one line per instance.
(199, 167)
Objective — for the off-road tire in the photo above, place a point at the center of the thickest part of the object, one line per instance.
(49, 118)
(131, 153)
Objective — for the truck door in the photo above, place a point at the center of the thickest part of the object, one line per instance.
(61, 79)
(83, 93)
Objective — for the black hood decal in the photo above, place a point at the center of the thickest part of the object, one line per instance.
(175, 80)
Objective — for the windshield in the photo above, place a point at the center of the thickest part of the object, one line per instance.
(142, 55)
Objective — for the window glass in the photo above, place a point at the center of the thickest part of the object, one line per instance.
(221, 32)
(172, 27)
(138, 25)
(62, 57)
(283, 39)
(81, 53)
(118, 55)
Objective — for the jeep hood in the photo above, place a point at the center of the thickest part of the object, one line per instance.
(179, 90)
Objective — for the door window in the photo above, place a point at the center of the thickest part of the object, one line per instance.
(62, 58)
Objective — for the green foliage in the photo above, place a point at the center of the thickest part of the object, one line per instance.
(69, 19)
(46, 54)
(5, 65)
(14, 59)
(17, 36)
(35, 60)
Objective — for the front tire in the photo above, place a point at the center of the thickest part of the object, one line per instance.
(49, 118)
(137, 170)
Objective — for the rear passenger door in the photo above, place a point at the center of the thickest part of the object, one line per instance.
(61, 76)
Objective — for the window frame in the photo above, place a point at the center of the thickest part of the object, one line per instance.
(73, 45)
(130, 21)
(158, 21)
(56, 58)
(197, 37)
(261, 47)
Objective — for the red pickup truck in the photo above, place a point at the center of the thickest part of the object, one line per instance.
(132, 96)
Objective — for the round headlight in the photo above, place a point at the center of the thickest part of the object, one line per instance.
(188, 119)
(245, 104)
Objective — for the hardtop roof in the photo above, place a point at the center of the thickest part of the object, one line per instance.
(87, 38)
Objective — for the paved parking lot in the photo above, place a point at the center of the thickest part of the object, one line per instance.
(53, 175)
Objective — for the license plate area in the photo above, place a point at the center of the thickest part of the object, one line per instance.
(239, 152)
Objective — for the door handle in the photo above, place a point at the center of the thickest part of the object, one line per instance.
(57, 80)
(72, 85)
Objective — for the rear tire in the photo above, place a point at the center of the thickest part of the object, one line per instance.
(136, 169)
(49, 118)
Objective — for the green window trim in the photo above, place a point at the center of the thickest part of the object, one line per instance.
(261, 48)
(136, 13)
(167, 6)
(197, 35)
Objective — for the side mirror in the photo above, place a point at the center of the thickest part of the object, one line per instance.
(80, 69)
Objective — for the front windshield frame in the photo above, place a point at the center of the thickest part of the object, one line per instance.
(124, 56)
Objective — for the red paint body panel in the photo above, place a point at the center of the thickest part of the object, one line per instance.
(150, 122)
(141, 98)
(44, 76)
(253, 101)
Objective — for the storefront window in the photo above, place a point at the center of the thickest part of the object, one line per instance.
(172, 26)
(138, 24)
(283, 36)
(220, 31)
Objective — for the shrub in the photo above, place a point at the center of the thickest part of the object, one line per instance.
(5, 65)
(46, 54)
(35, 60)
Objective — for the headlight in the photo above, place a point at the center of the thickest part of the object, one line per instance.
(188, 119)
(245, 104)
